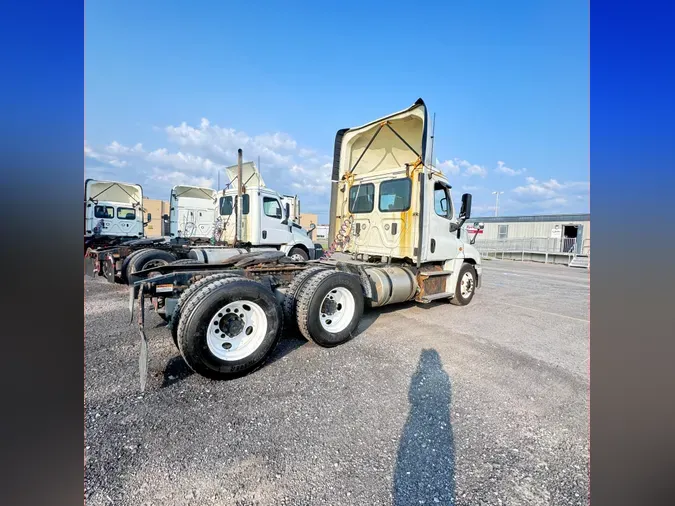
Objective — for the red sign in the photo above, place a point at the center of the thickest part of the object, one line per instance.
(472, 230)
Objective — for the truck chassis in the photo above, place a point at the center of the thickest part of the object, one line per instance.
(248, 301)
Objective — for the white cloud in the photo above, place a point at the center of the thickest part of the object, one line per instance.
(449, 166)
(457, 166)
(115, 148)
(90, 152)
(183, 161)
(501, 167)
(222, 143)
(174, 178)
(475, 170)
(551, 194)
(277, 140)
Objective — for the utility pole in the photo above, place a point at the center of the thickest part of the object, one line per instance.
(497, 202)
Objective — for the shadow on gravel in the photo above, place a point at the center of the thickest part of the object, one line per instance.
(425, 464)
(287, 344)
(176, 370)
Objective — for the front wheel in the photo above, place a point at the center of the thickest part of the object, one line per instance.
(466, 286)
(298, 254)
(228, 328)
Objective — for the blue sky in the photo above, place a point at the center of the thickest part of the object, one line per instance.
(172, 89)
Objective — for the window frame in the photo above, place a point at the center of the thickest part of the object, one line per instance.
(281, 209)
(448, 198)
(349, 198)
(379, 199)
(104, 217)
(245, 204)
(117, 213)
(499, 231)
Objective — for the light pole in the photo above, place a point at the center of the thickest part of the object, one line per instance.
(497, 203)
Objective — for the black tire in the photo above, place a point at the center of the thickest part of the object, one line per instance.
(290, 298)
(309, 307)
(185, 297)
(124, 271)
(186, 261)
(204, 305)
(459, 299)
(147, 258)
(300, 253)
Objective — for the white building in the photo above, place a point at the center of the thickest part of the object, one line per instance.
(554, 232)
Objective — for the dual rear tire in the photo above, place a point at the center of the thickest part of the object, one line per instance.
(225, 326)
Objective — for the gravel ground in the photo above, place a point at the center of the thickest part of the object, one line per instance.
(435, 404)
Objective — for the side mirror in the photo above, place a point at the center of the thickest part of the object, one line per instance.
(312, 226)
(444, 205)
(149, 217)
(465, 212)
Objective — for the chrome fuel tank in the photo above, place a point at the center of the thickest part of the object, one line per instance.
(391, 285)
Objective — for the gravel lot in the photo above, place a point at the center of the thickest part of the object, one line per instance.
(435, 404)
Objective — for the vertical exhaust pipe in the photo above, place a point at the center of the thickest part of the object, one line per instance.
(238, 234)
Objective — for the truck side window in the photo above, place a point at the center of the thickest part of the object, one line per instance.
(104, 212)
(226, 205)
(362, 198)
(442, 204)
(271, 207)
(395, 195)
(126, 213)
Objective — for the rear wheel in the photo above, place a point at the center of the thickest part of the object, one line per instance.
(466, 286)
(330, 307)
(149, 259)
(185, 297)
(124, 271)
(229, 327)
(292, 293)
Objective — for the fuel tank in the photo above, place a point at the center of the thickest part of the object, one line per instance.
(214, 255)
(391, 285)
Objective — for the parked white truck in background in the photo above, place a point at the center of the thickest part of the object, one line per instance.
(203, 229)
(396, 238)
(113, 212)
(192, 212)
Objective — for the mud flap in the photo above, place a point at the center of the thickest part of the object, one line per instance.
(89, 268)
(109, 269)
(143, 356)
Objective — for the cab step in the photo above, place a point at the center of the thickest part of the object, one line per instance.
(428, 298)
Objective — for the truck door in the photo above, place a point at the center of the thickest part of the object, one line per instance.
(271, 229)
(442, 243)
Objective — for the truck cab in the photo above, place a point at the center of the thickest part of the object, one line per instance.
(389, 202)
(268, 218)
(112, 209)
(192, 212)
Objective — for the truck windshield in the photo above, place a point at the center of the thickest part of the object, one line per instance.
(226, 205)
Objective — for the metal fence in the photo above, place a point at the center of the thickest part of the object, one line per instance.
(533, 244)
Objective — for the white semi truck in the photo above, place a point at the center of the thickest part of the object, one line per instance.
(203, 230)
(396, 238)
(113, 212)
